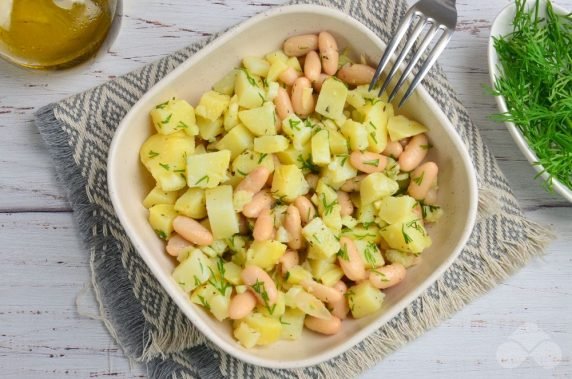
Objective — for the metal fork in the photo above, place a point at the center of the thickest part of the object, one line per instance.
(440, 15)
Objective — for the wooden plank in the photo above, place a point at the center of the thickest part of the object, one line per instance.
(43, 335)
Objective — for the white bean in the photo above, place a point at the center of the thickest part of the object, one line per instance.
(293, 225)
(356, 74)
(192, 231)
(423, 178)
(260, 201)
(260, 283)
(387, 276)
(302, 100)
(351, 261)
(300, 45)
(264, 226)
(328, 327)
(241, 305)
(312, 66)
(328, 52)
(414, 153)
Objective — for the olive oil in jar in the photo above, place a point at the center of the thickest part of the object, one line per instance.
(52, 34)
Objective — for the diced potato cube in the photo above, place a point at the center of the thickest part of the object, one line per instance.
(375, 187)
(338, 171)
(209, 297)
(161, 218)
(355, 99)
(361, 232)
(297, 130)
(328, 206)
(403, 258)
(236, 141)
(240, 199)
(431, 213)
(321, 148)
(397, 209)
(375, 120)
(248, 160)
(349, 222)
(370, 254)
(174, 116)
(265, 254)
(277, 68)
(215, 249)
(230, 119)
(296, 297)
(364, 299)
(338, 143)
(212, 105)
(268, 327)
(276, 310)
(260, 121)
(193, 271)
(400, 127)
(277, 55)
(247, 336)
(320, 266)
(302, 158)
(192, 203)
(219, 306)
(409, 236)
(209, 129)
(207, 170)
(292, 324)
(371, 96)
(164, 157)
(249, 90)
(158, 196)
(332, 98)
(226, 84)
(357, 135)
(256, 65)
(321, 237)
(294, 63)
(222, 218)
(297, 274)
(288, 183)
(271, 144)
(332, 277)
(272, 91)
(366, 213)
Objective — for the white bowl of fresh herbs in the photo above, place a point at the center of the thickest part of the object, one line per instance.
(531, 74)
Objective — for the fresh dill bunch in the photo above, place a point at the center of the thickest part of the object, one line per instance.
(536, 65)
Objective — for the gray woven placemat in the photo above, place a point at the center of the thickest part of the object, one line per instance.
(149, 326)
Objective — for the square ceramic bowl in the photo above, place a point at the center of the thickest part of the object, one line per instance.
(502, 26)
(128, 181)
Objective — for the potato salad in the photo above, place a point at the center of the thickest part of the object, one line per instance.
(290, 196)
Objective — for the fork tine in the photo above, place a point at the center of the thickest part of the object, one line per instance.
(414, 60)
(411, 40)
(405, 23)
(437, 49)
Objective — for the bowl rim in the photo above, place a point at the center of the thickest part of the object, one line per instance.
(494, 72)
(183, 303)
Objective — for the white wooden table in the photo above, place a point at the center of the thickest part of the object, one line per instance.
(43, 267)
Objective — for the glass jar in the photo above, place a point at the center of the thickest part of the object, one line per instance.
(53, 34)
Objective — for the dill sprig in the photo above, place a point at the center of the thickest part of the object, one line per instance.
(536, 82)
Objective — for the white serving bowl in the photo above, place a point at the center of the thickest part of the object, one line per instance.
(502, 26)
(129, 183)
